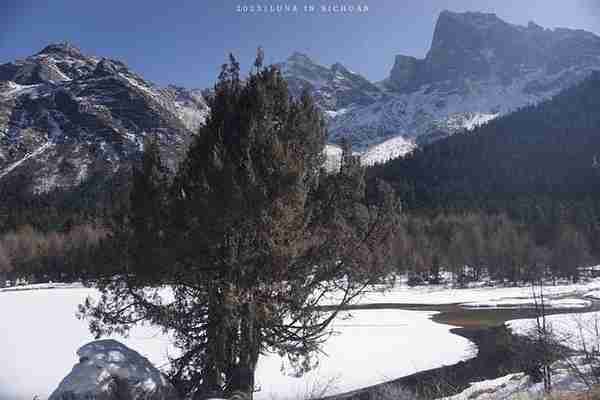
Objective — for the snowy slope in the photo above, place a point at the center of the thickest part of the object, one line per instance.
(392, 148)
(380, 153)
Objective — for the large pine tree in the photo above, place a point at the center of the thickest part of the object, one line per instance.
(259, 239)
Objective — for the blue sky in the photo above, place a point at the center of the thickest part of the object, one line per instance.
(185, 41)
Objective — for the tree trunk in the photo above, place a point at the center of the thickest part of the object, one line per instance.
(243, 376)
(211, 376)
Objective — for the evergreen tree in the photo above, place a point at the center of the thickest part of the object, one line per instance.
(258, 235)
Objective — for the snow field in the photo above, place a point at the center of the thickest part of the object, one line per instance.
(40, 335)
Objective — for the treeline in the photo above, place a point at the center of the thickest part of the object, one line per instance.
(62, 208)
(37, 256)
(476, 245)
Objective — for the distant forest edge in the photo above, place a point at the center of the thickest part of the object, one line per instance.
(514, 199)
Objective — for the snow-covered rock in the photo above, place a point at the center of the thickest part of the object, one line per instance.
(109, 370)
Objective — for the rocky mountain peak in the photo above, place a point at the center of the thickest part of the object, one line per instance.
(340, 68)
(478, 46)
(63, 48)
(473, 18)
(300, 58)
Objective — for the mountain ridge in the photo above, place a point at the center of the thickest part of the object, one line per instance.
(65, 116)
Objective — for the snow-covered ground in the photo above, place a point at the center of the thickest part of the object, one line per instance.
(40, 335)
(374, 346)
(560, 295)
(519, 387)
(573, 330)
(578, 331)
(528, 302)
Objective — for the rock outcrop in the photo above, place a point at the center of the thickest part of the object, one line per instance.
(109, 370)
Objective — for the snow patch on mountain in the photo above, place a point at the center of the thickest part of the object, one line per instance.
(13, 90)
(333, 157)
(392, 148)
(469, 120)
(40, 150)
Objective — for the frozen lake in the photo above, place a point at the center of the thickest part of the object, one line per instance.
(40, 335)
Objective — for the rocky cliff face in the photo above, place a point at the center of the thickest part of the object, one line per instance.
(65, 116)
(478, 46)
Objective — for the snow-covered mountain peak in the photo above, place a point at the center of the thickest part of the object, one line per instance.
(334, 88)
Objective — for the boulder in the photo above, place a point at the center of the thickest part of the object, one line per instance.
(109, 370)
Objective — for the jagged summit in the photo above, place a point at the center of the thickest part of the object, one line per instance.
(300, 58)
(64, 48)
(481, 46)
(471, 17)
(333, 87)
